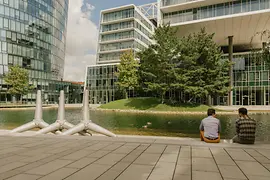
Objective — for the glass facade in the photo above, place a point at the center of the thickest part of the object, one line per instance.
(101, 83)
(118, 15)
(124, 14)
(121, 45)
(50, 95)
(119, 33)
(125, 35)
(117, 26)
(251, 80)
(32, 36)
(117, 36)
(216, 10)
(110, 56)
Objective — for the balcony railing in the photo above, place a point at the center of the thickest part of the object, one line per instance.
(174, 2)
(115, 38)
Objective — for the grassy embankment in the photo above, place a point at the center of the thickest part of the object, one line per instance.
(152, 104)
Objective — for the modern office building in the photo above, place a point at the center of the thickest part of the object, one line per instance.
(121, 29)
(235, 24)
(33, 36)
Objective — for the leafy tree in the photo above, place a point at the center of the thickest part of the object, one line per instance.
(127, 72)
(202, 72)
(157, 62)
(18, 80)
(264, 53)
(192, 65)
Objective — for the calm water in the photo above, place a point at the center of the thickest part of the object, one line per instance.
(140, 124)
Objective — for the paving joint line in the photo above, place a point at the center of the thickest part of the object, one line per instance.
(191, 166)
(235, 162)
(261, 154)
(257, 161)
(119, 161)
(94, 161)
(216, 164)
(156, 163)
(132, 161)
(43, 163)
(74, 161)
(176, 162)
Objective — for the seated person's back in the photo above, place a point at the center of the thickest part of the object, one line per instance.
(210, 126)
(245, 128)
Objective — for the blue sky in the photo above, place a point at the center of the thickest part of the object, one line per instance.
(105, 4)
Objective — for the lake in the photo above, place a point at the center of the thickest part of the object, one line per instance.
(139, 124)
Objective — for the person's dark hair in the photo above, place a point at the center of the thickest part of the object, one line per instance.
(243, 111)
(211, 112)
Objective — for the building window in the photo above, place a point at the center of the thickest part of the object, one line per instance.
(257, 76)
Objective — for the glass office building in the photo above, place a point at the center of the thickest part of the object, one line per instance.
(213, 10)
(33, 36)
(121, 29)
(235, 23)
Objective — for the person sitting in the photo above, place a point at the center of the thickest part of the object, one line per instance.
(210, 128)
(245, 128)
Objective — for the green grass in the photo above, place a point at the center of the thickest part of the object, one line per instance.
(151, 104)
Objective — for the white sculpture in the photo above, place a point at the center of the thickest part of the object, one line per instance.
(38, 120)
(61, 122)
(86, 124)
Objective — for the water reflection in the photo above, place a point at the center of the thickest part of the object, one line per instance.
(142, 124)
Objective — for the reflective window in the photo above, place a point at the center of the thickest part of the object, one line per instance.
(33, 32)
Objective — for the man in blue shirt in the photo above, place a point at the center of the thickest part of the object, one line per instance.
(210, 128)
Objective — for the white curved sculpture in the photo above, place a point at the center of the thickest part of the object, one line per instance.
(86, 124)
(38, 121)
(60, 123)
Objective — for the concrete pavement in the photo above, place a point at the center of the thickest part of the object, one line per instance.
(51, 157)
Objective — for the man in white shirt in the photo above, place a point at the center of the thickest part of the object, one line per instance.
(210, 127)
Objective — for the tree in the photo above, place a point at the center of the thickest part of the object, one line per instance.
(191, 65)
(18, 81)
(127, 72)
(202, 70)
(264, 53)
(158, 60)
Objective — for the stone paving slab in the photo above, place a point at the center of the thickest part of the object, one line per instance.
(129, 158)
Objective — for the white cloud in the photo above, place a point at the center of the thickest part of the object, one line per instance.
(76, 66)
(82, 35)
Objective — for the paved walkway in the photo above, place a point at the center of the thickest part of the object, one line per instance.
(53, 157)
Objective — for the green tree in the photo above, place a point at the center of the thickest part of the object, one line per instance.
(192, 65)
(127, 72)
(18, 81)
(201, 71)
(158, 61)
(264, 53)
